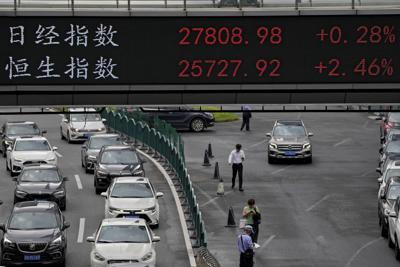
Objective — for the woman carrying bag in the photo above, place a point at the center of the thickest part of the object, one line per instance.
(253, 216)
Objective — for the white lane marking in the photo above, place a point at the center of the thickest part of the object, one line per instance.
(257, 144)
(213, 199)
(81, 230)
(58, 154)
(265, 244)
(210, 199)
(78, 181)
(281, 170)
(318, 202)
(348, 264)
(344, 141)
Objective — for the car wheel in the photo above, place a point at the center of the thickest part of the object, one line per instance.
(197, 125)
(390, 242)
(11, 170)
(384, 231)
(68, 138)
(271, 160)
(61, 134)
(309, 160)
(396, 249)
(7, 168)
(4, 150)
(63, 205)
(98, 191)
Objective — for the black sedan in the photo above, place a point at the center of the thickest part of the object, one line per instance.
(41, 182)
(34, 234)
(116, 161)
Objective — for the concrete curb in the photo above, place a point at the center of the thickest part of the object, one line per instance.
(182, 219)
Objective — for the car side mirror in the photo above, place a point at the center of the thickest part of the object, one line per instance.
(378, 170)
(65, 179)
(380, 180)
(104, 194)
(156, 239)
(65, 120)
(84, 146)
(381, 150)
(382, 195)
(268, 135)
(159, 194)
(8, 148)
(310, 134)
(393, 214)
(2, 227)
(66, 225)
(55, 148)
(44, 132)
(90, 239)
(15, 179)
(103, 120)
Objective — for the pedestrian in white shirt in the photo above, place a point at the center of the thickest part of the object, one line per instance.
(236, 159)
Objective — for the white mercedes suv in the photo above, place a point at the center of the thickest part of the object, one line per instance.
(132, 197)
(123, 242)
(28, 150)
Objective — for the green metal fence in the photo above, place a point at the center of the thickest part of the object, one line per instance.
(163, 139)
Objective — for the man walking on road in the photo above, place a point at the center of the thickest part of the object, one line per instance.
(236, 159)
(245, 246)
(246, 118)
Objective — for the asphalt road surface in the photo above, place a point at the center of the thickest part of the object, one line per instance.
(85, 208)
(320, 214)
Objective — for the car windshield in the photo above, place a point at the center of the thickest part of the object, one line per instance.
(31, 220)
(394, 117)
(119, 157)
(393, 147)
(123, 234)
(23, 129)
(132, 190)
(394, 137)
(32, 145)
(391, 173)
(394, 192)
(289, 130)
(40, 175)
(85, 117)
(99, 142)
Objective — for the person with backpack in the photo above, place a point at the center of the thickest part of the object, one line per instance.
(245, 246)
(253, 216)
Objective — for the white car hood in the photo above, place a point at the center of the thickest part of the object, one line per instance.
(132, 203)
(33, 155)
(123, 251)
(90, 125)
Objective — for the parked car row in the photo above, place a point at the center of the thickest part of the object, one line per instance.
(389, 181)
(35, 231)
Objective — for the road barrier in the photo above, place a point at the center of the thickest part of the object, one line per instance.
(206, 259)
(158, 137)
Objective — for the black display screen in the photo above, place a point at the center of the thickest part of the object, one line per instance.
(199, 50)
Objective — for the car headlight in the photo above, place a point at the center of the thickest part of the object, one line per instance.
(20, 194)
(147, 257)
(101, 173)
(57, 241)
(209, 114)
(8, 142)
(112, 209)
(273, 146)
(8, 243)
(51, 159)
(101, 129)
(307, 146)
(98, 256)
(74, 129)
(59, 193)
(153, 209)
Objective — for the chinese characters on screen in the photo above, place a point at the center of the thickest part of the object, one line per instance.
(78, 68)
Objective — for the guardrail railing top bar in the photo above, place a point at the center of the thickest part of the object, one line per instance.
(130, 5)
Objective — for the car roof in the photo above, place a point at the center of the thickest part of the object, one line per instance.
(35, 205)
(104, 135)
(20, 122)
(124, 221)
(119, 147)
(36, 166)
(290, 122)
(36, 137)
(131, 180)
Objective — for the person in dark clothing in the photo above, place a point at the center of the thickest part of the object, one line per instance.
(246, 115)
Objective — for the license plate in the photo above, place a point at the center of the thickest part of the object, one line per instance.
(290, 153)
(87, 135)
(31, 257)
(132, 216)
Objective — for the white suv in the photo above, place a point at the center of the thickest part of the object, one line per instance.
(28, 150)
(392, 169)
(80, 126)
(132, 197)
(394, 228)
(123, 242)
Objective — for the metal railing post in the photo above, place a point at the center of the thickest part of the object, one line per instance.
(296, 4)
(166, 3)
(129, 5)
(15, 7)
(352, 4)
(73, 7)
(184, 5)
